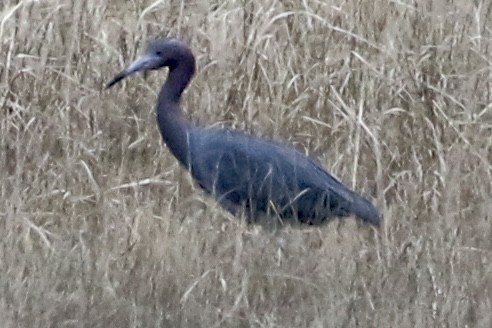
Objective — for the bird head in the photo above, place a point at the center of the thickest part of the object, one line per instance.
(164, 52)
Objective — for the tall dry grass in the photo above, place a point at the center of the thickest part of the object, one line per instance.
(99, 227)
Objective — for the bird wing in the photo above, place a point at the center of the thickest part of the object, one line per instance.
(248, 157)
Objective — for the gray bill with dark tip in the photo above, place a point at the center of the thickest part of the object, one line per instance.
(140, 64)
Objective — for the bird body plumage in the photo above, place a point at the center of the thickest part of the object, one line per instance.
(243, 172)
(259, 176)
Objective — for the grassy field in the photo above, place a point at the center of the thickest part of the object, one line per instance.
(100, 227)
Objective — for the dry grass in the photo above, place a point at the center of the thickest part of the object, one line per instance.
(99, 227)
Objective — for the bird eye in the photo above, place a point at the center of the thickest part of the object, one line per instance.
(158, 53)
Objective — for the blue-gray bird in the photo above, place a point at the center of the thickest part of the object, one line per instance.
(244, 173)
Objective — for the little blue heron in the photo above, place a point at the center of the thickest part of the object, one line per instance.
(245, 174)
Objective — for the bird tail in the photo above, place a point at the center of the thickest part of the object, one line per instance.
(364, 210)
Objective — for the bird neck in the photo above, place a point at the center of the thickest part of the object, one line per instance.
(178, 79)
(175, 127)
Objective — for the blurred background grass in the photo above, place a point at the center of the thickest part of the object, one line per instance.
(100, 227)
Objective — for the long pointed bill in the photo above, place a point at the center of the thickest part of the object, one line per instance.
(142, 63)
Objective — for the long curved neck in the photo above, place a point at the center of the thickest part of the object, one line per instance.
(174, 126)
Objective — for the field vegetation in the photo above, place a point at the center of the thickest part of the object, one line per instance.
(100, 227)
